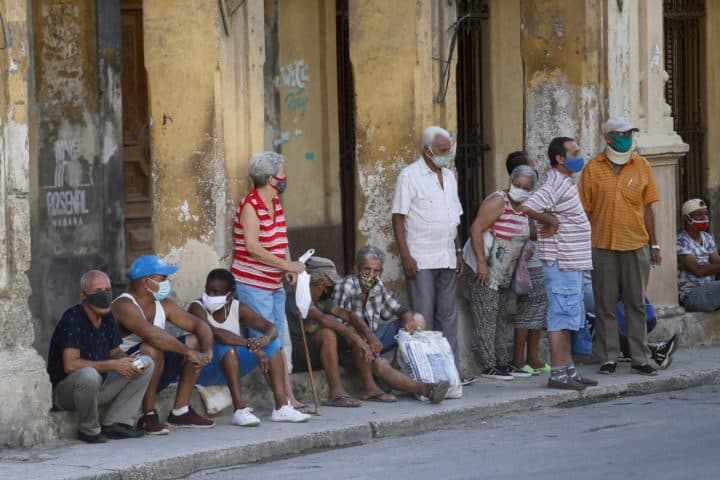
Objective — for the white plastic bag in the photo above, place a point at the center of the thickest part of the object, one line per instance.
(303, 300)
(426, 357)
(469, 254)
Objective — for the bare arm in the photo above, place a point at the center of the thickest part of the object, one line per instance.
(128, 316)
(331, 322)
(190, 323)
(489, 211)
(251, 232)
(714, 258)
(649, 215)
(408, 262)
(689, 263)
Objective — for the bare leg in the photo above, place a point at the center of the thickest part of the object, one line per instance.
(287, 385)
(275, 379)
(326, 340)
(533, 349)
(365, 371)
(560, 354)
(230, 365)
(520, 340)
(398, 380)
(189, 374)
(148, 402)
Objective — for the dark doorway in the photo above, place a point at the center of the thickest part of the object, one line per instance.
(685, 90)
(136, 148)
(346, 122)
(470, 145)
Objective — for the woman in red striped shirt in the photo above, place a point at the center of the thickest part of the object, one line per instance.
(261, 256)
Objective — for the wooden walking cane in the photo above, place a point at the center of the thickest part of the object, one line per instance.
(304, 258)
(309, 365)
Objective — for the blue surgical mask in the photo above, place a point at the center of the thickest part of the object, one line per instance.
(621, 143)
(574, 164)
(163, 291)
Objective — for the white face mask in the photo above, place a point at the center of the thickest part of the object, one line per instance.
(518, 195)
(213, 304)
(442, 161)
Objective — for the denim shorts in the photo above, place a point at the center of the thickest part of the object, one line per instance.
(564, 290)
(386, 333)
(268, 304)
(212, 373)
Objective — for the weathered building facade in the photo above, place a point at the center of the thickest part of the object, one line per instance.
(127, 126)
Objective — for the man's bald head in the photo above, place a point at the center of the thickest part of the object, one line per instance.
(94, 281)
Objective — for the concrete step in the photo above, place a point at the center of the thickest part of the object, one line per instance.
(693, 328)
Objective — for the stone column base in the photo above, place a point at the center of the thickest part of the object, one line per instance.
(26, 399)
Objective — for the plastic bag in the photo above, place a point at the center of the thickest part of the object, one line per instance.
(303, 300)
(426, 357)
(582, 340)
(469, 254)
(521, 282)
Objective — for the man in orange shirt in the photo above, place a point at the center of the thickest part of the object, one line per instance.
(617, 190)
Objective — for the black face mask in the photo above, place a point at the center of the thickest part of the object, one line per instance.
(99, 299)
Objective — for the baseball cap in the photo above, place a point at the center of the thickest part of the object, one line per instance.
(149, 265)
(320, 266)
(618, 124)
(692, 205)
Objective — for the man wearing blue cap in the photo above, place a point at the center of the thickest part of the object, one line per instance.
(141, 313)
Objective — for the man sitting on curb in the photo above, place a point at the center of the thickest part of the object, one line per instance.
(698, 260)
(87, 368)
(363, 302)
(234, 356)
(141, 313)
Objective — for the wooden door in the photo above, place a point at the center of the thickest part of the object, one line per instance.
(137, 167)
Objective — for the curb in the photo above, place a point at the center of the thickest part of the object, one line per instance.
(180, 466)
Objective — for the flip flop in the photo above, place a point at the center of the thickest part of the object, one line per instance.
(439, 390)
(342, 400)
(381, 397)
(305, 408)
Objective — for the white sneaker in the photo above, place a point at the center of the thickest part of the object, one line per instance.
(287, 413)
(245, 418)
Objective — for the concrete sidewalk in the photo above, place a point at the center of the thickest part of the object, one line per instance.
(187, 451)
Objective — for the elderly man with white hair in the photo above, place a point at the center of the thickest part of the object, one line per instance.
(425, 216)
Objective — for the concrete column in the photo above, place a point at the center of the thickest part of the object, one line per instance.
(712, 110)
(24, 385)
(636, 79)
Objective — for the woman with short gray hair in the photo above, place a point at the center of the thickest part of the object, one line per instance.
(261, 256)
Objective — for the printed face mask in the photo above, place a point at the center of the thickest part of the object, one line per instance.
(163, 291)
(518, 195)
(574, 164)
(213, 304)
(367, 282)
(99, 299)
(281, 185)
(622, 143)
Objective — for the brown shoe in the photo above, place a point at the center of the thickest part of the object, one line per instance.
(569, 384)
(150, 422)
(585, 381)
(190, 419)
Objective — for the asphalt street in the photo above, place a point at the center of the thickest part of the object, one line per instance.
(671, 435)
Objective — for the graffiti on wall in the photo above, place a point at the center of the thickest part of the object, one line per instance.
(294, 77)
(66, 200)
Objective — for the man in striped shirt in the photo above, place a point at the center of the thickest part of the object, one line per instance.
(564, 249)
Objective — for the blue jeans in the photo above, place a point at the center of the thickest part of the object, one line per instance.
(703, 298)
(212, 373)
(386, 333)
(267, 303)
(564, 290)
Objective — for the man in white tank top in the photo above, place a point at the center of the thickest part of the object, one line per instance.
(141, 313)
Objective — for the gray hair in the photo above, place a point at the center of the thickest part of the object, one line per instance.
(264, 165)
(430, 133)
(88, 275)
(524, 171)
(369, 251)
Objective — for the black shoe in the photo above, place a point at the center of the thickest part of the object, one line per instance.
(608, 368)
(467, 380)
(97, 438)
(568, 383)
(496, 373)
(663, 353)
(643, 369)
(119, 431)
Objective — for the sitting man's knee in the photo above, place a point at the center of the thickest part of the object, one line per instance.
(325, 335)
(379, 364)
(192, 342)
(88, 377)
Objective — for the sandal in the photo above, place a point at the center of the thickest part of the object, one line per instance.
(381, 397)
(342, 400)
(438, 391)
(305, 408)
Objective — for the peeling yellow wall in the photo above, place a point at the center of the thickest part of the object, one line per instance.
(712, 149)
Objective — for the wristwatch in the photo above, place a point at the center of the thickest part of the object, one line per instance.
(654, 247)
(458, 250)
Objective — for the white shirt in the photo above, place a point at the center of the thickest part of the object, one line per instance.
(432, 214)
(232, 317)
(159, 321)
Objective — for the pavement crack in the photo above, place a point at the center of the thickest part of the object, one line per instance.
(608, 427)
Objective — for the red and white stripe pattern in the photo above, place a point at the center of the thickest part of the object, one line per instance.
(510, 223)
(272, 237)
